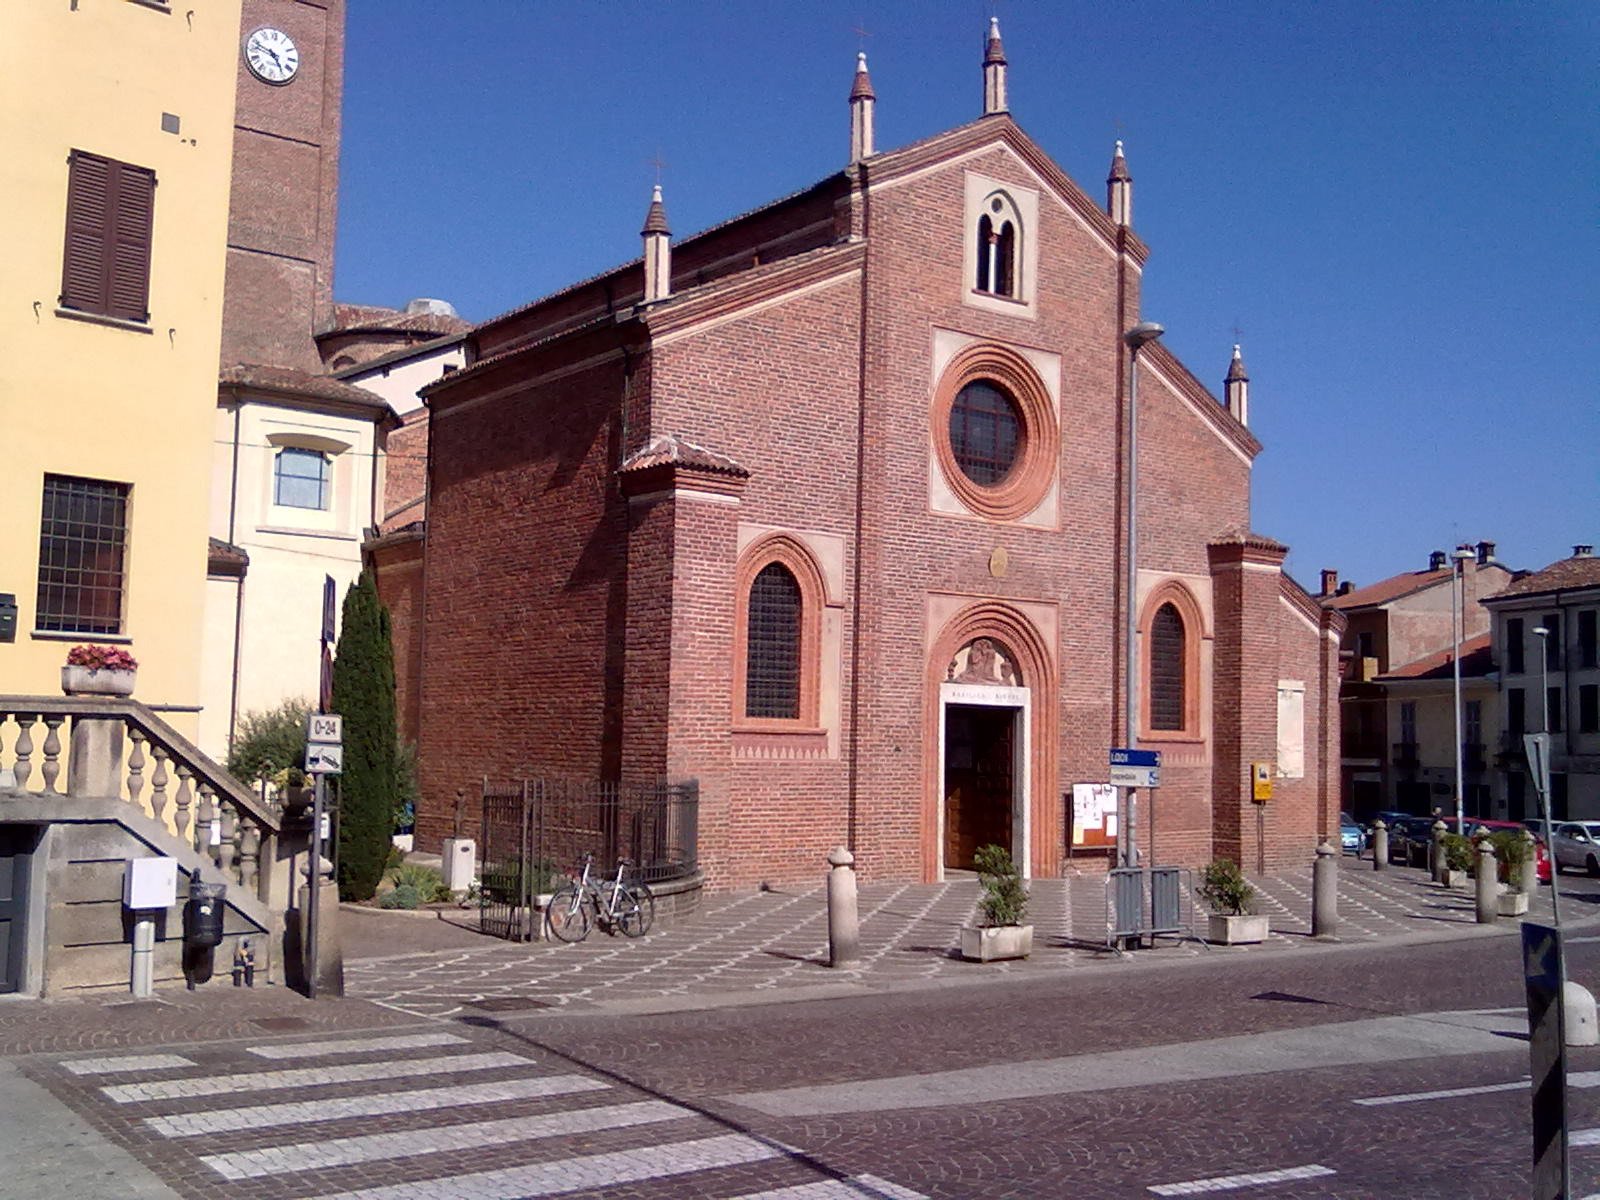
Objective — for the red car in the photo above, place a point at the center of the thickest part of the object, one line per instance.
(1542, 859)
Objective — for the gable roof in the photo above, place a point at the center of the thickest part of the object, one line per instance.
(1579, 571)
(1389, 589)
(1476, 662)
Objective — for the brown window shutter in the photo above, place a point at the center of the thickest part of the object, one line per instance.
(132, 218)
(84, 281)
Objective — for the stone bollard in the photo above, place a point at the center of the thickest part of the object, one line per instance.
(1578, 1011)
(1488, 894)
(1436, 858)
(1380, 845)
(1527, 881)
(844, 932)
(1325, 892)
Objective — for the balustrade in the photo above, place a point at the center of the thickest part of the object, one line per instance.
(227, 825)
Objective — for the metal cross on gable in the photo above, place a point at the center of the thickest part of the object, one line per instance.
(658, 163)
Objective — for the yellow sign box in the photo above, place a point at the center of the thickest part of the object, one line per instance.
(1261, 781)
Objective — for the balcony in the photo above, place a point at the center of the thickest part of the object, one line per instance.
(1405, 754)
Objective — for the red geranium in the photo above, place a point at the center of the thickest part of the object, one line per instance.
(101, 658)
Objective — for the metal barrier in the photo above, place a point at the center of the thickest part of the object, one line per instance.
(535, 829)
(1158, 901)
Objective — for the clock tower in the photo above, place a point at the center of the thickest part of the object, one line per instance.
(290, 79)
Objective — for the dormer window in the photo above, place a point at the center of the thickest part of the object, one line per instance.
(998, 238)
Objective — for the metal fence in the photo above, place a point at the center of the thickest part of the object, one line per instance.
(535, 830)
(1153, 901)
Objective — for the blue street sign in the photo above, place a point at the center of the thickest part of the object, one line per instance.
(1135, 758)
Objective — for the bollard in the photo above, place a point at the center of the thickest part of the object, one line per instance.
(1325, 892)
(1527, 881)
(1380, 845)
(1578, 1011)
(844, 933)
(1436, 859)
(1488, 894)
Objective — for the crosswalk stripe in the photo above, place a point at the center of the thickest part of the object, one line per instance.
(410, 1041)
(217, 1085)
(857, 1187)
(1225, 1183)
(577, 1174)
(375, 1147)
(306, 1112)
(127, 1062)
(1576, 1079)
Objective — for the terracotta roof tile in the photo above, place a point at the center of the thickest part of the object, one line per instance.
(1579, 571)
(1388, 589)
(288, 380)
(1475, 663)
(226, 552)
(666, 449)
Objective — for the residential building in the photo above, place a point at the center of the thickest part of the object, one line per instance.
(1547, 640)
(1421, 724)
(117, 192)
(825, 508)
(1397, 628)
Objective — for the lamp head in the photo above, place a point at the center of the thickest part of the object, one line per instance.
(1142, 333)
(1540, 631)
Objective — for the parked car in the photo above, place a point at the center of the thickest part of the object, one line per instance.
(1577, 845)
(1389, 816)
(1351, 836)
(1541, 852)
(1409, 838)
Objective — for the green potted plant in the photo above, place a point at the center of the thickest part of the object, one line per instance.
(1458, 855)
(1001, 908)
(1230, 898)
(98, 671)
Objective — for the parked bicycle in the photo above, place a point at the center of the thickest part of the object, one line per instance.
(613, 904)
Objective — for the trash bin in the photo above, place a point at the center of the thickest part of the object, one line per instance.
(202, 915)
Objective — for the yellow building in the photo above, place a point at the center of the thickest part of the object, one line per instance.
(118, 127)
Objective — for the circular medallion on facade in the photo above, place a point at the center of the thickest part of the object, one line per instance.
(996, 436)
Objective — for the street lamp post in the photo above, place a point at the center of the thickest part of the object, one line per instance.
(1135, 339)
(1543, 635)
(1457, 620)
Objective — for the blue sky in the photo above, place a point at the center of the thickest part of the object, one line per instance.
(1396, 204)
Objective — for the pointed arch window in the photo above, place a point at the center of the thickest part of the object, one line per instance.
(777, 637)
(1167, 682)
(999, 237)
(1171, 631)
(772, 662)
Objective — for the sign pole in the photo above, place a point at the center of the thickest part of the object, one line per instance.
(315, 881)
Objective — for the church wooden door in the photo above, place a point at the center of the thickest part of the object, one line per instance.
(980, 780)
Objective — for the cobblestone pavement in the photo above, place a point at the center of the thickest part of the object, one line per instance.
(774, 945)
(659, 1106)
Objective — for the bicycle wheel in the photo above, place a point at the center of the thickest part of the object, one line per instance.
(568, 916)
(635, 909)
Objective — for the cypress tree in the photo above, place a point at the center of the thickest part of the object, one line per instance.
(363, 693)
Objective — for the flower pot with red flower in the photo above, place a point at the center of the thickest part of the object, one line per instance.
(98, 671)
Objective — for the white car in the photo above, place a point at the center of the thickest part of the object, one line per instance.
(1577, 845)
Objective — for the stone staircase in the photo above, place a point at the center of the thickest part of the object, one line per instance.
(135, 787)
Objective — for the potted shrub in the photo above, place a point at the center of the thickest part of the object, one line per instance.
(1002, 907)
(1513, 852)
(1229, 896)
(98, 671)
(1458, 854)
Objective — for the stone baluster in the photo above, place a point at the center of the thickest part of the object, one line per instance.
(51, 769)
(183, 818)
(249, 854)
(228, 847)
(136, 768)
(23, 767)
(158, 783)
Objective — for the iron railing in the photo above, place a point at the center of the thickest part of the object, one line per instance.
(534, 830)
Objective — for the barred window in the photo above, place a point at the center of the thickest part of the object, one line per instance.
(772, 666)
(1167, 662)
(83, 538)
(985, 432)
(301, 478)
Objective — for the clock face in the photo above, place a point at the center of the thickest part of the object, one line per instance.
(272, 55)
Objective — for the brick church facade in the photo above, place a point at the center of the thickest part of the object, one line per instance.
(825, 507)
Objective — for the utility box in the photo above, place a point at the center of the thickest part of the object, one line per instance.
(460, 865)
(150, 883)
(8, 617)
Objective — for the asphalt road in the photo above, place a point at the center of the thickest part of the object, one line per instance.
(1329, 1071)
